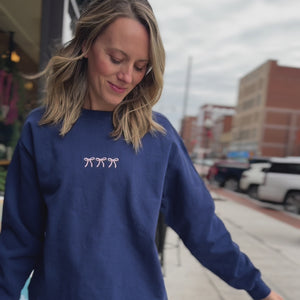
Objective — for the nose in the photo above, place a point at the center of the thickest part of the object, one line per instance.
(126, 74)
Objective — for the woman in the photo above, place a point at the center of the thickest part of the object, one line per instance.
(95, 166)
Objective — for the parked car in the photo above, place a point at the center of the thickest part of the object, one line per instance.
(227, 173)
(282, 183)
(252, 178)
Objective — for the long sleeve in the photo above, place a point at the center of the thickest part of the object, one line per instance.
(189, 210)
(22, 225)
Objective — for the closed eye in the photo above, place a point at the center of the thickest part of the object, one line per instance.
(141, 68)
(115, 60)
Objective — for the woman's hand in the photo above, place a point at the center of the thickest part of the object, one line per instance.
(273, 296)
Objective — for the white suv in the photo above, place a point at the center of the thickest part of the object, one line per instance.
(252, 178)
(282, 183)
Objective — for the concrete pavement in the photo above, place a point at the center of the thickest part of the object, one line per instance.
(271, 243)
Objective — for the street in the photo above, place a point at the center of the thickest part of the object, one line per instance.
(267, 234)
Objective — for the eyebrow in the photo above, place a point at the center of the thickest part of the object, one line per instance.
(126, 55)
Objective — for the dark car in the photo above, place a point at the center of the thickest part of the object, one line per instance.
(227, 173)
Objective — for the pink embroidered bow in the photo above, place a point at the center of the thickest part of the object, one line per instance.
(101, 161)
(113, 161)
(89, 161)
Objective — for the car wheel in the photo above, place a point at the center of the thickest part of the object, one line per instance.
(252, 191)
(292, 202)
(231, 184)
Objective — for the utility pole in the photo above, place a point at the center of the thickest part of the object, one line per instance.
(187, 86)
(186, 92)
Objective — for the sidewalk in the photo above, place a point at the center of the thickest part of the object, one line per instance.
(272, 245)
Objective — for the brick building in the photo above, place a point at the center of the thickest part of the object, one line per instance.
(221, 135)
(267, 120)
(210, 130)
(189, 132)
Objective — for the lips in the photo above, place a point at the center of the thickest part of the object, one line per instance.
(116, 88)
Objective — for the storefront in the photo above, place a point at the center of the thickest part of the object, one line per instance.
(28, 36)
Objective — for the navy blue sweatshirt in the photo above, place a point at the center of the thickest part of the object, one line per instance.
(81, 211)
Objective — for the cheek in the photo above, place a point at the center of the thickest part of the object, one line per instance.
(100, 66)
(103, 68)
(138, 78)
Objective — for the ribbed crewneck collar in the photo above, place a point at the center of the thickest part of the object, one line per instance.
(95, 114)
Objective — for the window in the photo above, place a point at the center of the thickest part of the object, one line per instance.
(287, 168)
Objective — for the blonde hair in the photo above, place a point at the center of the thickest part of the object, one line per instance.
(66, 80)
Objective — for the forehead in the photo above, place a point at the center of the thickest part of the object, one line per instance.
(127, 35)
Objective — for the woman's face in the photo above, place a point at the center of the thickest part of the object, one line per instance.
(117, 62)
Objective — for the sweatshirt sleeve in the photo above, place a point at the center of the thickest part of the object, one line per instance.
(22, 224)
(189, 210)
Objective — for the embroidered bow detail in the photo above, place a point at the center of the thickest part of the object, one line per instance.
(113, 161)
(100, 162)
(89, 161)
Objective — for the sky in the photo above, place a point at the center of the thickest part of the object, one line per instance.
(223, 40)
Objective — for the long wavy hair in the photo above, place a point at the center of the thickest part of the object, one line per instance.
(66, 73)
